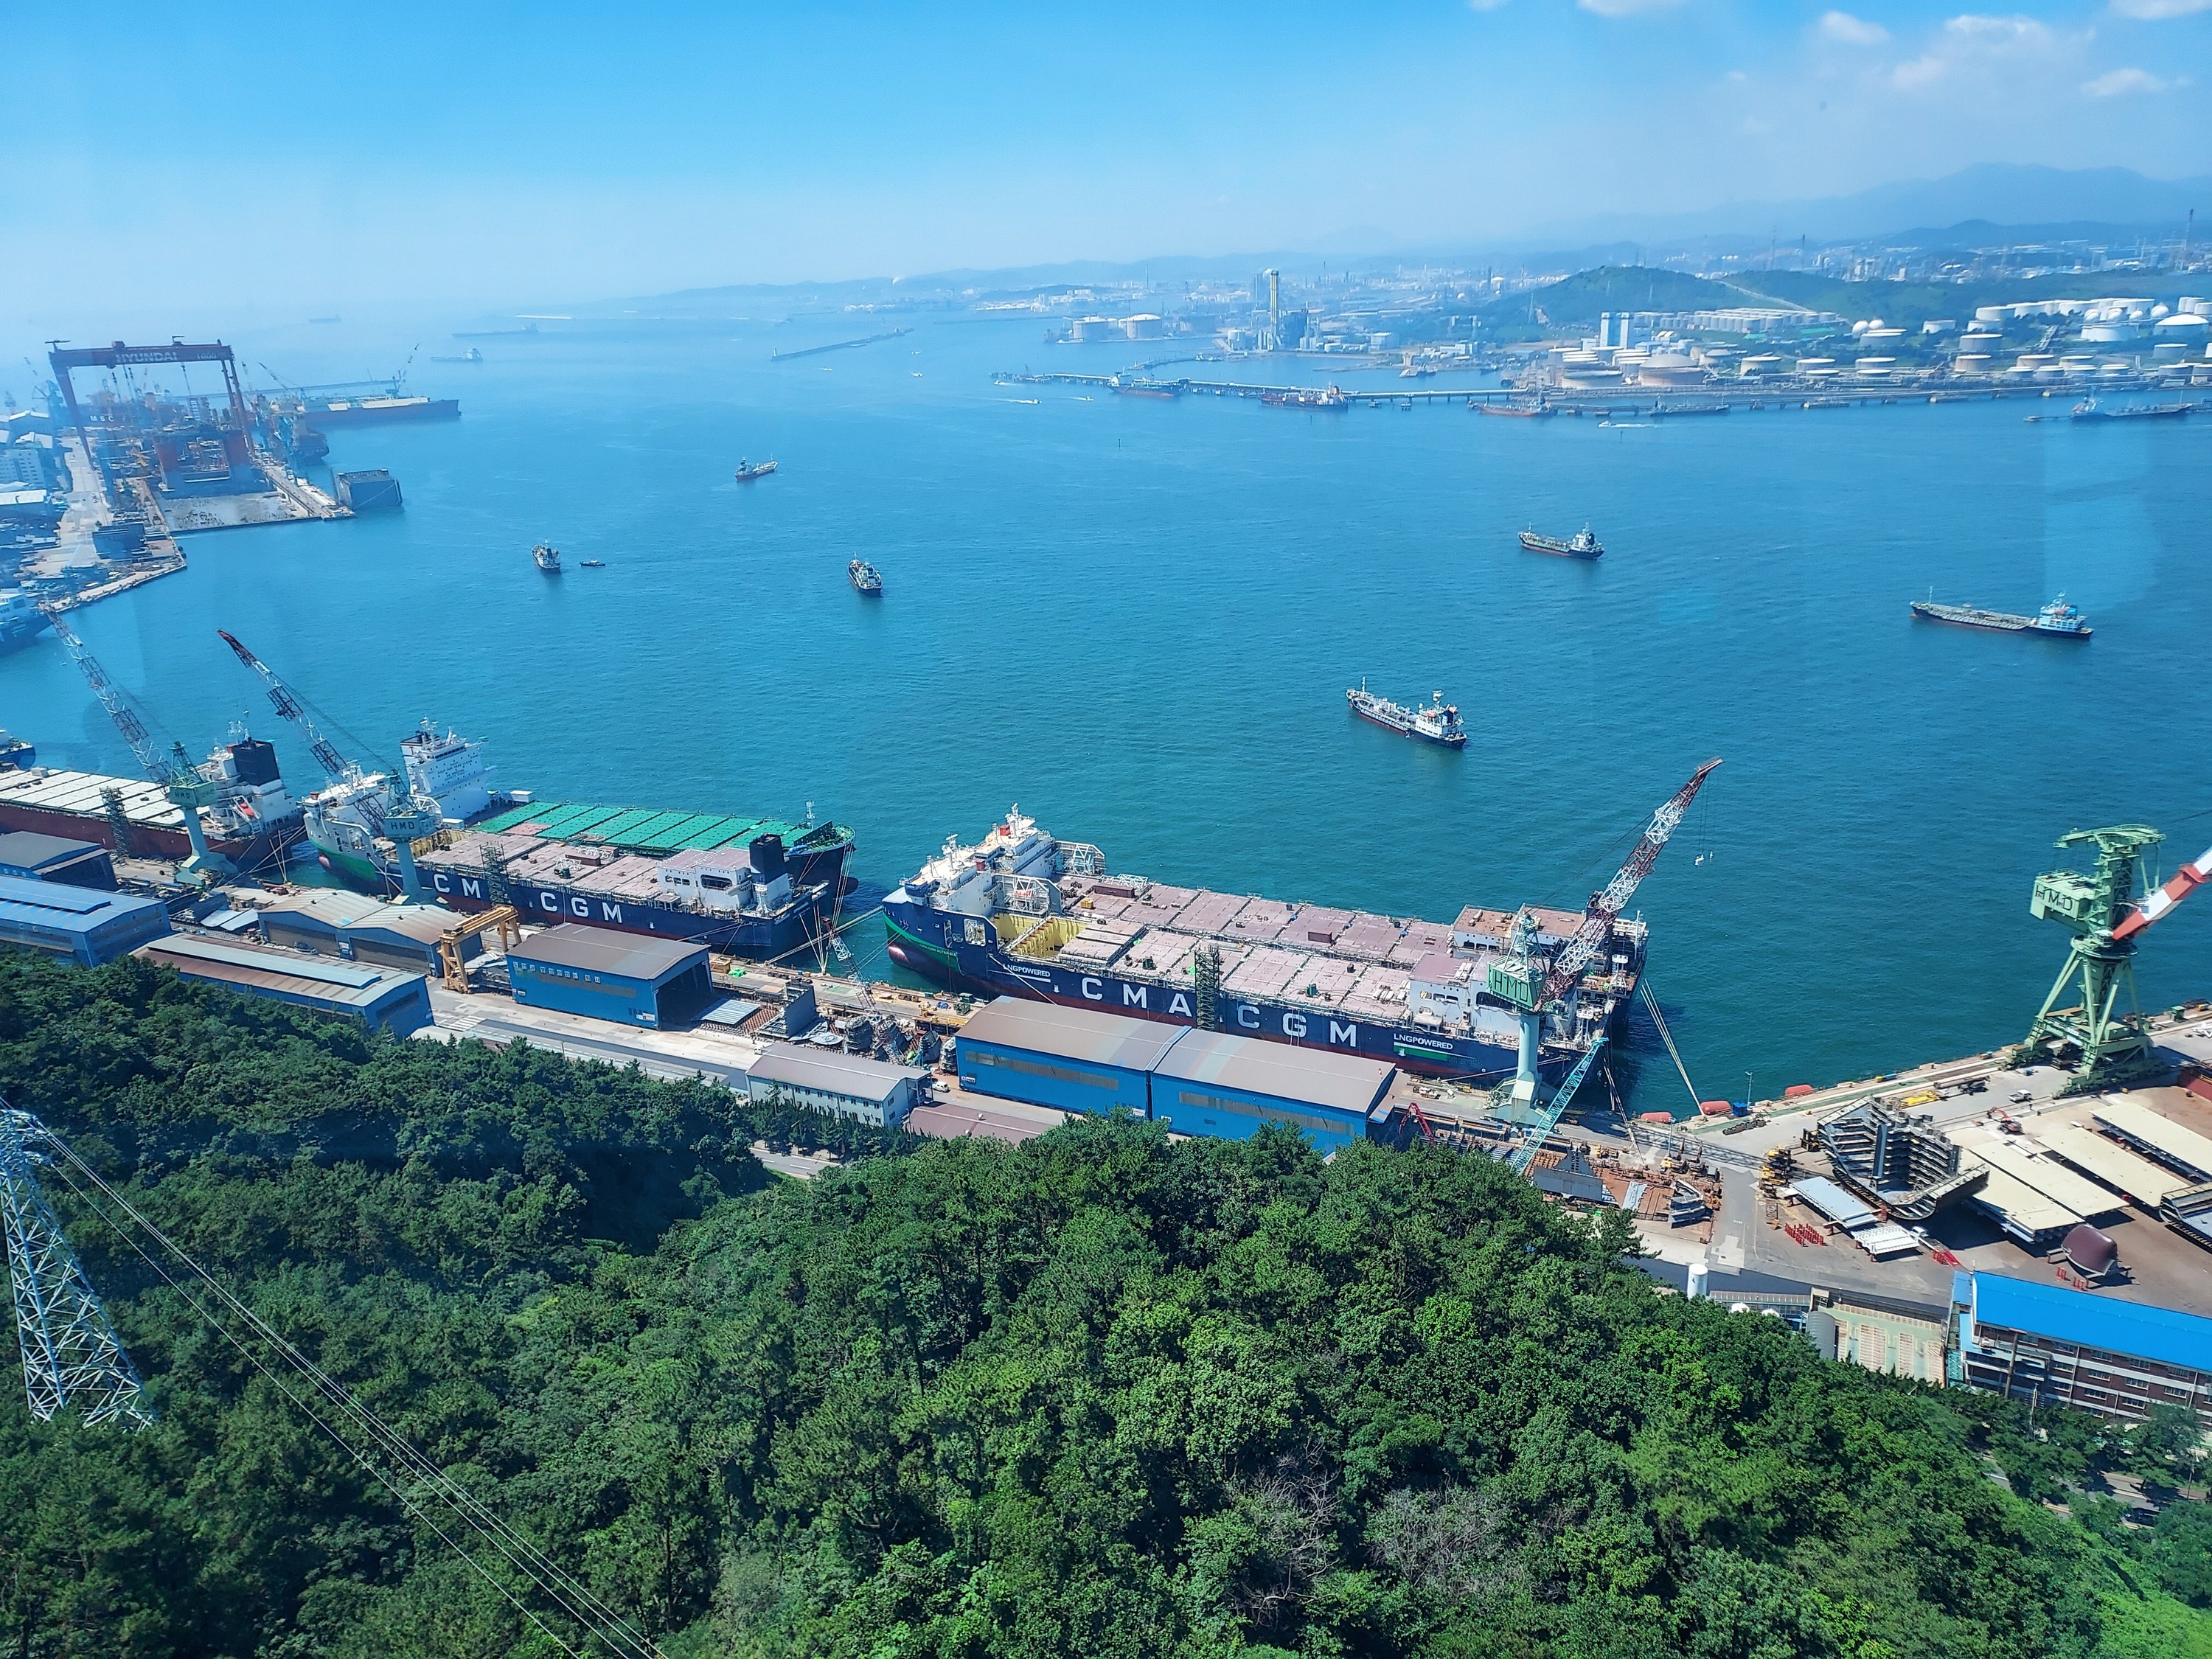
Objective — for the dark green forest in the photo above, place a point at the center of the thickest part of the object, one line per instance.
(1098, 1394)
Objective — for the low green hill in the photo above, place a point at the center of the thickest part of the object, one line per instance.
(1099, 1393)
(1583, 297)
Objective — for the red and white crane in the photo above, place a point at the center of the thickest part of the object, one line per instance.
(2186, 880)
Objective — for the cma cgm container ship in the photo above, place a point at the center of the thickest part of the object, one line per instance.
(752, 886)
(1022, 913)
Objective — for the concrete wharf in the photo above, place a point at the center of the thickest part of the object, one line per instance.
(1659, 402)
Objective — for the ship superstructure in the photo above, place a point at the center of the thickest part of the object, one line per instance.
(20, 620)
(1022, 913)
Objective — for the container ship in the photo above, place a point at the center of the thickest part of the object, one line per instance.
(756, 887)
(1438, 723)
(2057, 618)
(1022, 913)
(1580, 545)
(252, 823)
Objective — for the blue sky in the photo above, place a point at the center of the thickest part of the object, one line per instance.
(338, 155)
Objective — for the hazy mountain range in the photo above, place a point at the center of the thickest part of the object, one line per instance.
(1979, 207)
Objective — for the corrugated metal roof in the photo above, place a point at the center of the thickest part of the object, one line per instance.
(1087, 1034)
(328, 909)
(1832, 1202)
(604, 951)
(418, 924)
(2164, 1334)
(1312, 1077)
(317, 977)
(27, 849)
(831, 1072)
(53, 904)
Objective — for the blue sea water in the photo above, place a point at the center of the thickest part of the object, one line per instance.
(1137, 618)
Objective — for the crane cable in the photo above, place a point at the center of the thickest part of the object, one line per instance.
(1644, 990)
(572, 1597)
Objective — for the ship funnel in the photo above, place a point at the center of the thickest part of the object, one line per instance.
(766, 857)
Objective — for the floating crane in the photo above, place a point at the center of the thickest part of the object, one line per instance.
(2105, 916)
(180, 779)
(1533, 985)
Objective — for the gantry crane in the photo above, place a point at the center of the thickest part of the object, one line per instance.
(2106, 917)
(180, 779)
(1534, 986)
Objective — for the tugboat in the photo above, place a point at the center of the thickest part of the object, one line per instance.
(547, 558)
(866, 580)
(747, 471)
(2057, 618)
(591, 564)
(1580, 545)
(1438, 723)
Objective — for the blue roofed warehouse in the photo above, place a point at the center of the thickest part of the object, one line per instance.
(2037, 1341)
(1075, 1060)
(1211, 1083)
(633, 979)
(1198, 1083)
(81, 923)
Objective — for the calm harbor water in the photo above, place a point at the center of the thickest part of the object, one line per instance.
(1137, 618)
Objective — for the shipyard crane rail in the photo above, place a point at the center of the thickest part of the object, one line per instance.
(426, 1491)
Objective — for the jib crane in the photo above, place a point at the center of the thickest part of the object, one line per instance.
(2106, 918)
(1533, 985)
(180, 779)
(335, 765)
(405, 819)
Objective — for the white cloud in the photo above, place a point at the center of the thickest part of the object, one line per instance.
(1972, 41)
(2153, 11)
(1626, 7)
(1484, 5)
(1849, 31)
(2113, 83)
(2015, 30)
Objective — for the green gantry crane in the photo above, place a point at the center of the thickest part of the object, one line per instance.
(2107, 1030)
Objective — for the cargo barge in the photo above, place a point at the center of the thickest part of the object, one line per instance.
(756, 887)
(2057, 619)
(1020, 913)
(1583, 544)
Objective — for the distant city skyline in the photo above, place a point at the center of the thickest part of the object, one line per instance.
(265, 157)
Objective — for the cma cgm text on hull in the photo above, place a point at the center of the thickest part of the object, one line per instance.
(1020, 913)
